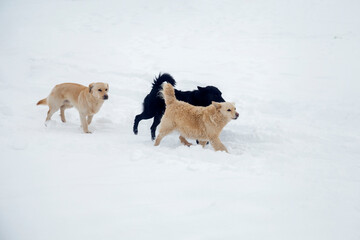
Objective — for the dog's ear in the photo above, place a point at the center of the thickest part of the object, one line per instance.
(91, 85)
(216, 105)
(200, 88)
(107, 86)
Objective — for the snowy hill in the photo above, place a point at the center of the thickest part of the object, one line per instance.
(293, 170)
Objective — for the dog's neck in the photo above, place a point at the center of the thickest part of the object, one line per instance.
(216, 117)
(93, 104)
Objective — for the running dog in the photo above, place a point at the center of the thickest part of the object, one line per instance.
(202, 123)
(87, 100)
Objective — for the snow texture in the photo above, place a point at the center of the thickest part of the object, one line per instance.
(291, 67)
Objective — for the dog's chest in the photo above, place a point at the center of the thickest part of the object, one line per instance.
(94, 108)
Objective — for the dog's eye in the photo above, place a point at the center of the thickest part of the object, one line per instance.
(229, 110)
(106, 90)
(99, 90)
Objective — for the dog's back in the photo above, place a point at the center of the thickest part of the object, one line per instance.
(203, 96)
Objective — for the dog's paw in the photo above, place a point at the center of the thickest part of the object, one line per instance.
(184, 141)
(50, 123)
(202, 143)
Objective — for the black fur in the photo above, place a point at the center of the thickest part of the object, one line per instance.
(154, 105)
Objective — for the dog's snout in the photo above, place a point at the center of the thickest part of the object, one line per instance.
(236, 115)
(106, 97)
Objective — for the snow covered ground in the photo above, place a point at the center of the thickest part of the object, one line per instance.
(292, 68)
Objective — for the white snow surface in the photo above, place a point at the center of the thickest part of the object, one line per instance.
(291, 67)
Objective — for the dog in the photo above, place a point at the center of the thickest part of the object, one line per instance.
(87, 100)
(203, 123)
(154, 105)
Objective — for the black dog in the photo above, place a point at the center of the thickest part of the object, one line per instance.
(154, 105)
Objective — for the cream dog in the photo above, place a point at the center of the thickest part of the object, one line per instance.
(87, 100)
(202, 123)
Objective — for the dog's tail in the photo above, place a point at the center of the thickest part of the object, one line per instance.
(42, 102)
(168, 93)
(158, 81)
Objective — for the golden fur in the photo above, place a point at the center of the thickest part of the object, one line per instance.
(202, 123)
(87, 100)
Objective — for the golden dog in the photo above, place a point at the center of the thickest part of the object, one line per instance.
(87, 100)
(202, 123)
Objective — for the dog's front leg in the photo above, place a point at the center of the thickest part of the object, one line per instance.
(84, 123)
(217, 145)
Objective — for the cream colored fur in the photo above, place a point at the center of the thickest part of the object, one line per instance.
(87, 100)
(202, 123)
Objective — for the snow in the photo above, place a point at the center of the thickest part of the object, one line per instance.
(290, 67)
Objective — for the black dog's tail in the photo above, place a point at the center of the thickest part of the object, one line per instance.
(158, 81)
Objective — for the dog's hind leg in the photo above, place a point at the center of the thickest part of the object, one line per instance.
(165, 129)
(62, 110)
(52, 110)
(62, 113)
(217, 145)
(153, 127)
(137, 119)
(184, 141)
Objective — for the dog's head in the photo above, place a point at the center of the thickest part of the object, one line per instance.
(228, 110)
(99, 90)
(209, 94)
